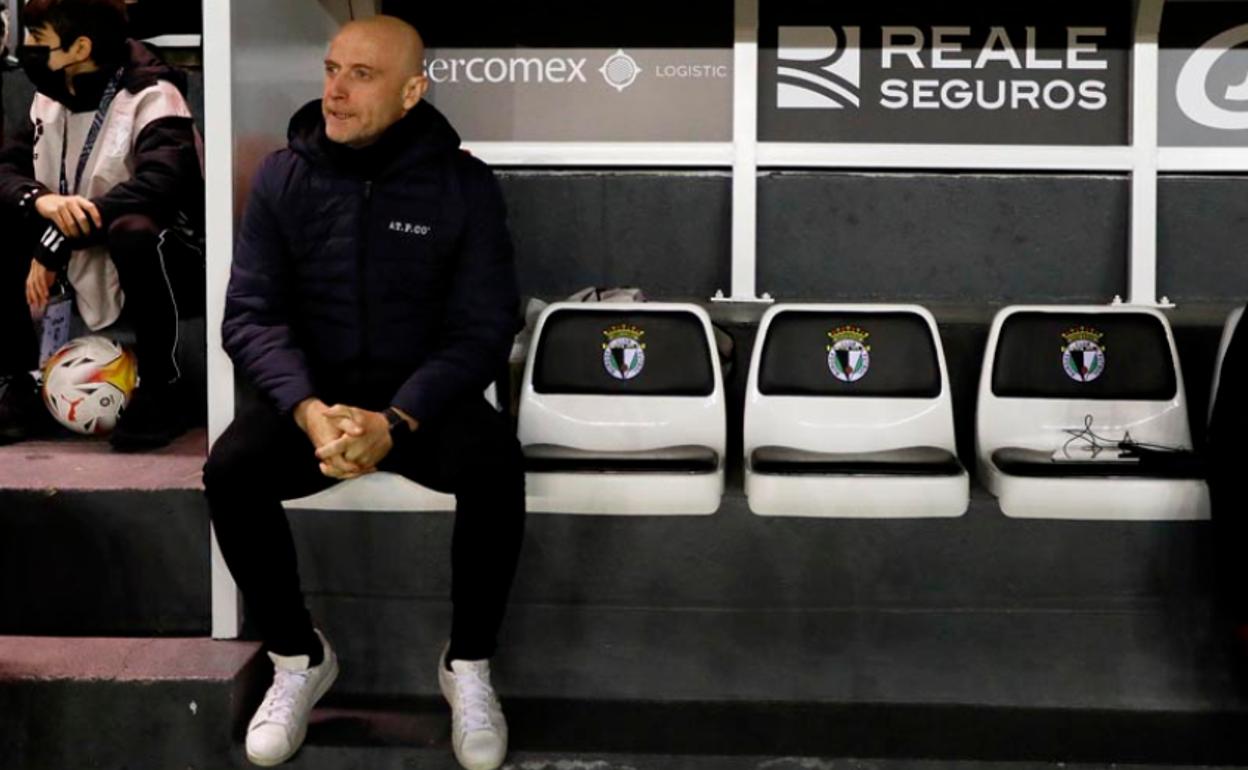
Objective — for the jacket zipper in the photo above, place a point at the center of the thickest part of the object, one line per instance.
(362, 271)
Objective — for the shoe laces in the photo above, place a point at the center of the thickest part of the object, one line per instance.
(474, 696)
(279, 702)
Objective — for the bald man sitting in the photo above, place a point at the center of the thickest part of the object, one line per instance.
(372, 299)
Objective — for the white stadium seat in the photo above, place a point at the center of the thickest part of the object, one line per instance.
(848, 413)
(622, 410)
(1058, 380)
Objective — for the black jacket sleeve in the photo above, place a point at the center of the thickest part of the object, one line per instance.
(167, 174)
(482, 309)
(256, 331)
(18, 187)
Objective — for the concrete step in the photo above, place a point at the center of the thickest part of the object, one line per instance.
(317, 757)
(1144, 686)
(109, 563)
(181, 703)
(124, 703)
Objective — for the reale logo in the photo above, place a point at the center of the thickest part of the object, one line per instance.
(818, 68)
(1192, 88)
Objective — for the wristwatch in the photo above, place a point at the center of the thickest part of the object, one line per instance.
(395, 420)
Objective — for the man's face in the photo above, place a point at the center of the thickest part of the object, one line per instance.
(366, 90)
(58, 59)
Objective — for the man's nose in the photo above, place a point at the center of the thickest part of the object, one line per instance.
(335, 88)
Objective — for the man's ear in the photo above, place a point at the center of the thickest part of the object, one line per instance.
(414, 90)
(81, 49)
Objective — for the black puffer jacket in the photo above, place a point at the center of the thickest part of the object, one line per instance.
(372, 277)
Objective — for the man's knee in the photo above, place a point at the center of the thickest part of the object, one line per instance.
(226, 469)
(491, 464)
(131, 234)
(236, 463)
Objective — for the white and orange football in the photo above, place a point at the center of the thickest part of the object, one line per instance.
(87, 383)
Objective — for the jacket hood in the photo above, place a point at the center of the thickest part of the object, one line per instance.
(422, 134)
(143, 68)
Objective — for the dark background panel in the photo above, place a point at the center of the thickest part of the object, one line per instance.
(570, 23)
(1202, 238)
(945, 237)
(958, 12)
(1189, 23)
(668, 232)
(149, 18)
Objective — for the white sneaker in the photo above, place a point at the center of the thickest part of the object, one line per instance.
(281, 723)
(478, 729)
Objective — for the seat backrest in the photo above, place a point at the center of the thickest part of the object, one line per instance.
(623, 377)
(1228, 331)
(1048, 368)
(848, 378)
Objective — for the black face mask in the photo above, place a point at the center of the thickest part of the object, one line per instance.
(47, 81)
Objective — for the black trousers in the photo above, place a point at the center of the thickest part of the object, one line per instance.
(1227, 457)
(471, 451)
(162, 276)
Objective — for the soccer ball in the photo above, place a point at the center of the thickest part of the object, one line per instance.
(87, 383)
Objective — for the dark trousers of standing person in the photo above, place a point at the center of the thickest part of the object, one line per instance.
(19, 349)
(470, 451)
(162, 277)
(1228, 485)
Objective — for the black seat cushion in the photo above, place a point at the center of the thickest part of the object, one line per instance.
(905, 461)
(554, 458)
(1035, 463)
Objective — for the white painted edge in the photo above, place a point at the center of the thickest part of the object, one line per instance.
(219, 216)
(640, 154)
(176, 41)
(226, 615)
(946, 157)
(1202, 159)
(219, 209)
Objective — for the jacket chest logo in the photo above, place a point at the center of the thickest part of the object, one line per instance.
(409, 228)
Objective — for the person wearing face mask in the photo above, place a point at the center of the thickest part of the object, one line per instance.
(101, 189)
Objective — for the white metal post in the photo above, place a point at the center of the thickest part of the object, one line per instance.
(219, 215)
(1142, 270)
(745, 151)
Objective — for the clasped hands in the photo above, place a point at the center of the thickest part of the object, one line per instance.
(350, 441)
